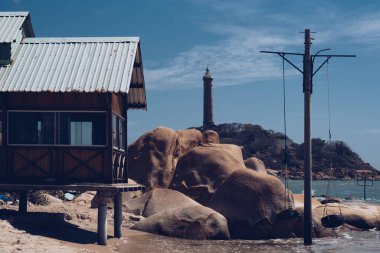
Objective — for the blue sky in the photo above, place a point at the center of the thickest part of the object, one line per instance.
(180, 38)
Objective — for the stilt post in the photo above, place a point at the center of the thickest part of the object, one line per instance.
(23, 202)
(118, 215)
(102, 217)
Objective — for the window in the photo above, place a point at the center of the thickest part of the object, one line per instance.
(82, 128)
(118, 132)
(57, 128)
(31, 128)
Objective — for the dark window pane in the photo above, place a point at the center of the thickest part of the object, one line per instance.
(122, 134)
(1, 129)
(114, 131)
(31, 127)
(82, 128)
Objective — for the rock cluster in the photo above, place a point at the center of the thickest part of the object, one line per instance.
(201, 189)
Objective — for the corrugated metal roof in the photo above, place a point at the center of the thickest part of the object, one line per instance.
(14, 26)
(71, 65)
(109, 64)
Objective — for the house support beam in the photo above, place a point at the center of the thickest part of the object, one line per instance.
(103, 196)
(23, 202)
(118, 215)
(102, 224)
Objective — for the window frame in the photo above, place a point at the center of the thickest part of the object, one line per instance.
(58, 123)
(118, 139)
(57, 129)
(31, 145)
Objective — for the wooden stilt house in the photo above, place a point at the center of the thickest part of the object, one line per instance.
(64, 103)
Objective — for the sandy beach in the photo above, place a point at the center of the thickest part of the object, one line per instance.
(58, 227)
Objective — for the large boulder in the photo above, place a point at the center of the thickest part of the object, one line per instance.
(359, 215)
(204, 168)
(294, 227)
(251, 202)
(151, 157)
(192, 222)
(210, 136)
(158, 200)
(188, 139)
(154, 156)
(255, 164)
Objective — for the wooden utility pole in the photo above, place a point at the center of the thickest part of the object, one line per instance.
(308, 73)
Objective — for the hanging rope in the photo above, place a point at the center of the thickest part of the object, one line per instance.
(329, 125)
(288, 212)
(284, 99)
(286, 179)
(333, 220)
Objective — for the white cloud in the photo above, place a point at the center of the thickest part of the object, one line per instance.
(362, 28)
(235, 59)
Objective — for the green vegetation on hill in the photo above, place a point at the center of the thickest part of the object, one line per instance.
(268, 146)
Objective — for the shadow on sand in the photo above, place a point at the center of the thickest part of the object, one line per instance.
(51, 225)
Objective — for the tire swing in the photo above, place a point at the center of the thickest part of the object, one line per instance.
(289, 212)
(330, 220)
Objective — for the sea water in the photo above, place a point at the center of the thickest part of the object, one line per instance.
(345, 189)
(350, 242)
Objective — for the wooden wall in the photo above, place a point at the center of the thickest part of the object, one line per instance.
(119, 104)
(52, 101)
(57, 165)
(60, 164)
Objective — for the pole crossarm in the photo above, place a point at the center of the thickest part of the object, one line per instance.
(277, 52)
(282, 55)
(328, 56)
(334, 55)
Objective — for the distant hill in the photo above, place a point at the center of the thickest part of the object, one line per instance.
(268, 146)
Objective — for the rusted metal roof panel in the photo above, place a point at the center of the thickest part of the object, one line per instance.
(71, 65)
(14, 26)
